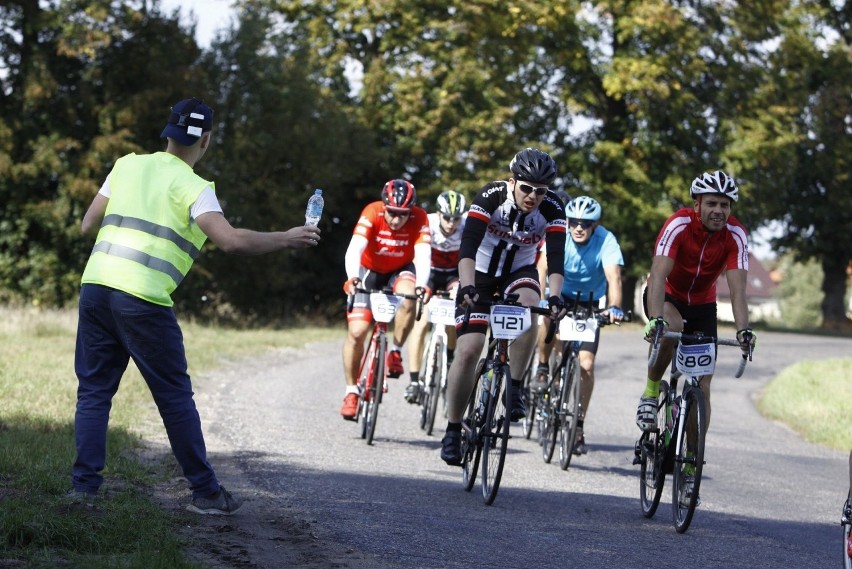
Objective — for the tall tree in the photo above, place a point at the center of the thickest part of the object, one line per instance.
(794, 143)
(81, 86)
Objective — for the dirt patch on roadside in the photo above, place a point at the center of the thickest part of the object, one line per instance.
(263, 534)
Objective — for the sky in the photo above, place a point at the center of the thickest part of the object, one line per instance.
(211, 15)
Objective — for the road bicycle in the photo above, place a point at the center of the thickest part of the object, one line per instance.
(558, 404)
(676, 445)
(372, 375)
(441, 312)
(846, 522)
(485, 427)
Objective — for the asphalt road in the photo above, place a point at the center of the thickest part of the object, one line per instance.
(769, 499)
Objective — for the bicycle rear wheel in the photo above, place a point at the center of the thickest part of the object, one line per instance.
(847, 536)
(652, 451)
(689, 460)
(532, 398)
(433, 385)
(376, 389)
(569, 411)
(495, 433)
(549, 421)
(471, 446)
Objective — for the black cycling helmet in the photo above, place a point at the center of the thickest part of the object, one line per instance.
(399, 194)
(715, 183)
(533, 165)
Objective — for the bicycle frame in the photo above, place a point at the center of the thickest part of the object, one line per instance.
(441, 313)
(372, 375)
(486, 426)
(662, 450)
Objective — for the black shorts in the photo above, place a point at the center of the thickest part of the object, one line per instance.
(488, 287)
(696, 317)
(441, 280)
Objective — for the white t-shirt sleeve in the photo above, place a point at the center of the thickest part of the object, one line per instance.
(207, 202)
(105, 191)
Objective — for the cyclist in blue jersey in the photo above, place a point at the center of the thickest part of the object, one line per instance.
(505, 226)
(593, 262)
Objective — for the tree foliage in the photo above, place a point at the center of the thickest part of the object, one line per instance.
(633, 99)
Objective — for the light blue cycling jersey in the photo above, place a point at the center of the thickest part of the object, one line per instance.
(584, 264)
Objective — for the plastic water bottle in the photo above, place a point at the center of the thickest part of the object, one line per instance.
(314, 210)
(486, 385)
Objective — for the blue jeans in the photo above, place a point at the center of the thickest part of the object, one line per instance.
(114, 327)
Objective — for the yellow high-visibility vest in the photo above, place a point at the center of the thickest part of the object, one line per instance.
(146, 243)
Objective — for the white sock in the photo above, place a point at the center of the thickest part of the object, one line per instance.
(351, 389)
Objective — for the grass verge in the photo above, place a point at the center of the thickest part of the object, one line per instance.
(39, 527)
(815, 399)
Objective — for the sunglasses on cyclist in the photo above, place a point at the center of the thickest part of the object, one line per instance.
(397, 212)
(584, 224)
(526, 189)
(453, 218)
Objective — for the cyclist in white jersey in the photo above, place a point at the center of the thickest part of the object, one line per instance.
(505, 224)
(446, 226)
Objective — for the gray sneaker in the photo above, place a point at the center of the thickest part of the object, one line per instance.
(222, 503)
(75, 496)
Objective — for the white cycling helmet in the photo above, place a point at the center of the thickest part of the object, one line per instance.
(715, 183)
(583, 207)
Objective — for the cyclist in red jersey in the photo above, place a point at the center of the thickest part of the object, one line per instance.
(390, 247)
(694, 247)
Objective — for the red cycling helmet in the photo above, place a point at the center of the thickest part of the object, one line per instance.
(399, 194)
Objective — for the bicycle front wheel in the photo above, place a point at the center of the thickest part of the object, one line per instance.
(847, 536)
(433, 385)
(568, 411)
(689, 459)
(376, 389)
(471, 446)
(652, 451)
(532, 398)
(495, 433)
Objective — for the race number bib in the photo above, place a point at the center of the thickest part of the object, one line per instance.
(571, 330)
(509, 322)
(383, 306)
(441, 311)
(697, 359)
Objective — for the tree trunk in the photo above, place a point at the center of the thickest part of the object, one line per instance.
(834, 288)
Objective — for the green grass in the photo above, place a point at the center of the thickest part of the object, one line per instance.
(38, 527)
(815, 399)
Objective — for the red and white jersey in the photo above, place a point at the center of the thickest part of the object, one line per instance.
(388, 251)
(700, 256)
(445, 248)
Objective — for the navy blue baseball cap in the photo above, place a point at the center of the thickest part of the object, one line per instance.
(188, 120)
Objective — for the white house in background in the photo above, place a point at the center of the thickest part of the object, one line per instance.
(760, 294)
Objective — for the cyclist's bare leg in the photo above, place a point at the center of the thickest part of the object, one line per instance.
(460, 380)
(544, 349)
(521, 348)
(664, 359)
(403, 321)
(417, 343)
(353, 349)
(587, 381)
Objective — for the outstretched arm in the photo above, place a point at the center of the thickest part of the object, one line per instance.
(247, 242)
